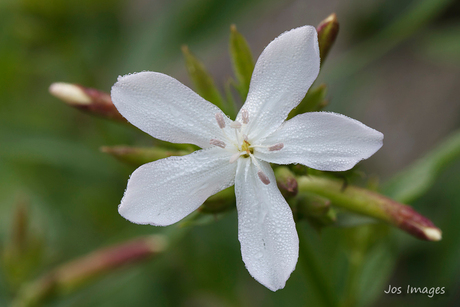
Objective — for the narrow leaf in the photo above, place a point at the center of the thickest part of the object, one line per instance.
(420, 176)
(313, 101)
(232, 107)
(202, 80)
(243, 63)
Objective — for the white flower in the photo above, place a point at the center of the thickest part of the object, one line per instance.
(240, 152)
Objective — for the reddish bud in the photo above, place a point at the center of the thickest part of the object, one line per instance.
(328, 29)
(86, 99)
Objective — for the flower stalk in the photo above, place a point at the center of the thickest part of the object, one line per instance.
(69, 276)
(86, 99)
(371, 204)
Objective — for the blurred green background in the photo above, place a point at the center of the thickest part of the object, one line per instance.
(395, 67)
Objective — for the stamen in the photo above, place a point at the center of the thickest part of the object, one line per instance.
(245, 137)
(235, 125)
(276, 147)
(220, 120)
(263, 177)
(245, 116)
(235, 157)
(217, 143)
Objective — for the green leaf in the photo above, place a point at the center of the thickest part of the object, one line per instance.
(219, 202)
(442, 45)
(198, 218)
(232, 108)
(214, 208)
(243, 63)
(204, 83)
(314, 271)
(420, 176)
(376, 270)
(314, 100)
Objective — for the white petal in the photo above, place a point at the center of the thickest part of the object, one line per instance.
(266, 228)
(166, 109)
(322, 140)
(165, 191)
(282, 76)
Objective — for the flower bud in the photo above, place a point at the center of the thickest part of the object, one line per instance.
(312, 205)
(414, 223)
(286, 182)
(86, 99)
(315, 209)
(327, 33)
(108, 259)
(372, 204)
(69, 276)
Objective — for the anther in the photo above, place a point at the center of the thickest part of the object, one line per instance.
(235, 125)
(217, 143)
(245, 116)
(234, 157)
(220, 120)
(276, 147)
(263, 177)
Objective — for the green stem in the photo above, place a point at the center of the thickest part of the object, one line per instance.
(371, 204)
(351, 198)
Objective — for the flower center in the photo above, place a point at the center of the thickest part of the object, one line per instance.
(246, 147)
(241, 143)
